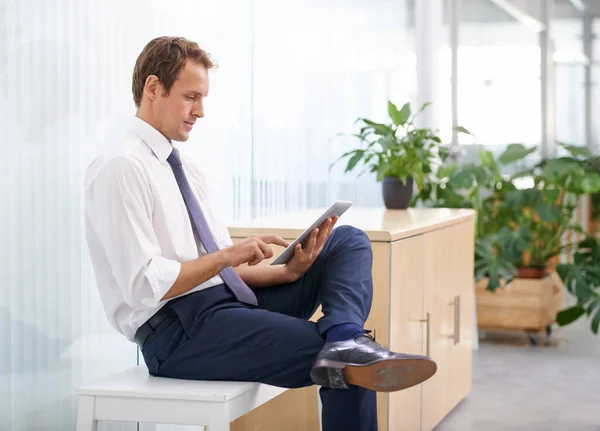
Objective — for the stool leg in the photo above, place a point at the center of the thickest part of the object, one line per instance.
(320, 408)
(86, 420)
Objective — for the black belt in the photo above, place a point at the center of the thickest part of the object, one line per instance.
(148, 328)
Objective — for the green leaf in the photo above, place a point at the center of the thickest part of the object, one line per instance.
(513, 243)
(574, 150)
(514, 152)
(341, 157)
(548, 212)
(354, 160)
(582, 288)
(588, 242)
(399, 117)
(404, 113)
(462, 178)
(578, 258)
(387, 142)
(596, 321)
(444, 153)
(591, 307)
(522, 198)
(461, 129)
(445, 171)
(489, 264)
(425, 105)
(569, 315)
(393, 113)
(379, 129)
(493, 280)
(591, 183)
(551, 195)
(563, 166)
(563, 270)
(486, 158)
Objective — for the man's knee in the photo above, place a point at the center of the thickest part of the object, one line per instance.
(353, 237)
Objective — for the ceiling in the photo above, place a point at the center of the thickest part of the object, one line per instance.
(487, 11)
(593, 6)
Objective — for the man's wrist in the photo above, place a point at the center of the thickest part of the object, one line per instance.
(224, 258)
(289, 276)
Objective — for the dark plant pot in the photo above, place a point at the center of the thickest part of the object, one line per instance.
(532, 272)
(397, 195)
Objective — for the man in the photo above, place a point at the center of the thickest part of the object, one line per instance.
(202, 308)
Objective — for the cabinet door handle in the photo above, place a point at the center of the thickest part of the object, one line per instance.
(428, 323)
(456, 335)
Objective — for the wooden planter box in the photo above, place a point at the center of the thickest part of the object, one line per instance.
(526, 304)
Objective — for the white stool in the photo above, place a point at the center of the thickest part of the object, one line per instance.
(133, 395)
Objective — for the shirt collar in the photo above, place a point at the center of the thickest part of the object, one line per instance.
(160, 146)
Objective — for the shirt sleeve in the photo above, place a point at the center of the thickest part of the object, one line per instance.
(119, 205)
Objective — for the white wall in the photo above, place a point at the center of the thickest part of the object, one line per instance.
(290, 79)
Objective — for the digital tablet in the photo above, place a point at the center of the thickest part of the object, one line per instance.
(336, 209)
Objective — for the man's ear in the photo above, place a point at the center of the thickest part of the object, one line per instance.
(152, 87)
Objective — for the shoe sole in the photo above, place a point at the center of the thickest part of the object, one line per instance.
(384, 375)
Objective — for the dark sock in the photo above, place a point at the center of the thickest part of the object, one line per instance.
(342, 332)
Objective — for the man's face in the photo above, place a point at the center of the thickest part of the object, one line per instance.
(176, 113)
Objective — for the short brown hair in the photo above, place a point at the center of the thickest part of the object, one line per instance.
(165, 57)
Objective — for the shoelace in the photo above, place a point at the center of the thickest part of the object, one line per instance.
(365, 333)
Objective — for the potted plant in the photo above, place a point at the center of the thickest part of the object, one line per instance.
(593, 221)
(582, 280)
(401, 154)
(519, 230)
(478, 186)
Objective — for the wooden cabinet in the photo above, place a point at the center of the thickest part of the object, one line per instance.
(462, 299)
(406, 334)
(438, 325)
(448, 303)
(423, 304)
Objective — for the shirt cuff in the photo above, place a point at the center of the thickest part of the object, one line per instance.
(161, 274)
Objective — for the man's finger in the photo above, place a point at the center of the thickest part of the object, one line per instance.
(266, 250)
(306, 242)
(313, 239)
(324, 232)
(268, 253)
(331, 226)
(324, 224)
(298, 249)
(327, 234)
(273, 239)
(257, 256)
(280, 241)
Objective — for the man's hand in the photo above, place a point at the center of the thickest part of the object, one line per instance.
(253, 250)
(305, 255)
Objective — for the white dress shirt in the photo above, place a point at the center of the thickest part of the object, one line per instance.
(137, 226)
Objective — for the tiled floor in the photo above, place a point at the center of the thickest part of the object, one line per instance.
(519, 387)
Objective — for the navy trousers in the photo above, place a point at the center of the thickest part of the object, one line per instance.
(212, 336)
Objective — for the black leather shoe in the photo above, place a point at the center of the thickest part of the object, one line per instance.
(362, 362)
